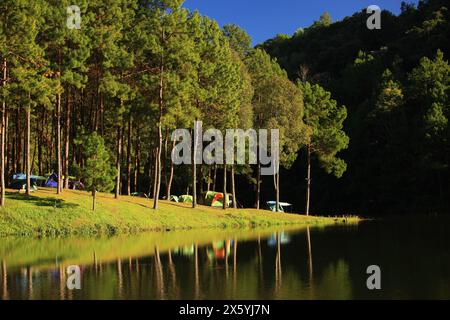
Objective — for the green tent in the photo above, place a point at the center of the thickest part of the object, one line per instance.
(186, 199)
(174, 198)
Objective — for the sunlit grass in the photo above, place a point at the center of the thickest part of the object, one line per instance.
(45, 213)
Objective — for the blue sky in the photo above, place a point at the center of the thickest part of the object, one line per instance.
(263, 19)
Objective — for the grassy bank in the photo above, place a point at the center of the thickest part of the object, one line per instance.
(45, 213)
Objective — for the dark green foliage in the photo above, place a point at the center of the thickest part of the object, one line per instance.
(98, 172)
(394, 83)
(325, 119)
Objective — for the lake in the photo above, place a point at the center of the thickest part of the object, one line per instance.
(305, 263)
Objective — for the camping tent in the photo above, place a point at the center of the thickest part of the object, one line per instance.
(52, 181)
(76, 185)
(282, 206)
(19, 181)
(215, 199)
(186, 199)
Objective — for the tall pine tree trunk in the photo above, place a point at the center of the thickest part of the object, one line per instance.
(24, 160)
(258, 185)
(169, 184)
(157, 175)
(194, 168)
(58, 126)
(18, 139)
(276, 178)
(137, 162)
(40, 143)
(224, 204)
(194, 184)
(49, 144)
(159, 149)
(214, 177)
(58, 143)
(166, 159)
(33, 160)
(2, 147)
(7, 148)
(118, 156)
(233, 187)
(201, 182)
(276, 183)
(66, 143)
(152, 171)
(208, 185)
(27, 148)
(308, 180)
(129, 155)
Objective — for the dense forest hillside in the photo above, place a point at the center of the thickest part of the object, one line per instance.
(395, 84)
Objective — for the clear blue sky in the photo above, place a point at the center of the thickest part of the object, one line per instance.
(263, 19)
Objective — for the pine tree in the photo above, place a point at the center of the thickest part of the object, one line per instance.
(167, 55)
(277, 104)
(98, 175)
(239, 40)
(25, 63)
(325, 121)
(429, 87)
(67, 50)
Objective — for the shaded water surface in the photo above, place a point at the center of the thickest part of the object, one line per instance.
(308, 263)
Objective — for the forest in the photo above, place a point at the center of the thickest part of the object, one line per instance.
(363, 114)
(395, 85)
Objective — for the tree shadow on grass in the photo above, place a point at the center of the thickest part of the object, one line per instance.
(41, 202)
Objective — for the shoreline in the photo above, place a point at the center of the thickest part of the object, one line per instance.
(46, 214)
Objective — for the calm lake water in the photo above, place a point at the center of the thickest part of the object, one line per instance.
(309, 263)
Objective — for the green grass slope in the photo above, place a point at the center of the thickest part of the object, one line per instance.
(45, 213)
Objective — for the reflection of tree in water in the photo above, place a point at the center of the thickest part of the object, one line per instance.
(278, 270)
(62, 283)
(120, 278)
(196, 274)
(30, 282)
(310, 262)
(268, 268)
(335, 282)
(160, 291)
(234, 266)
(173, 276)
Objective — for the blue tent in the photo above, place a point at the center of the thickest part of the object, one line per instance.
(23, 176)
(52, 181)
